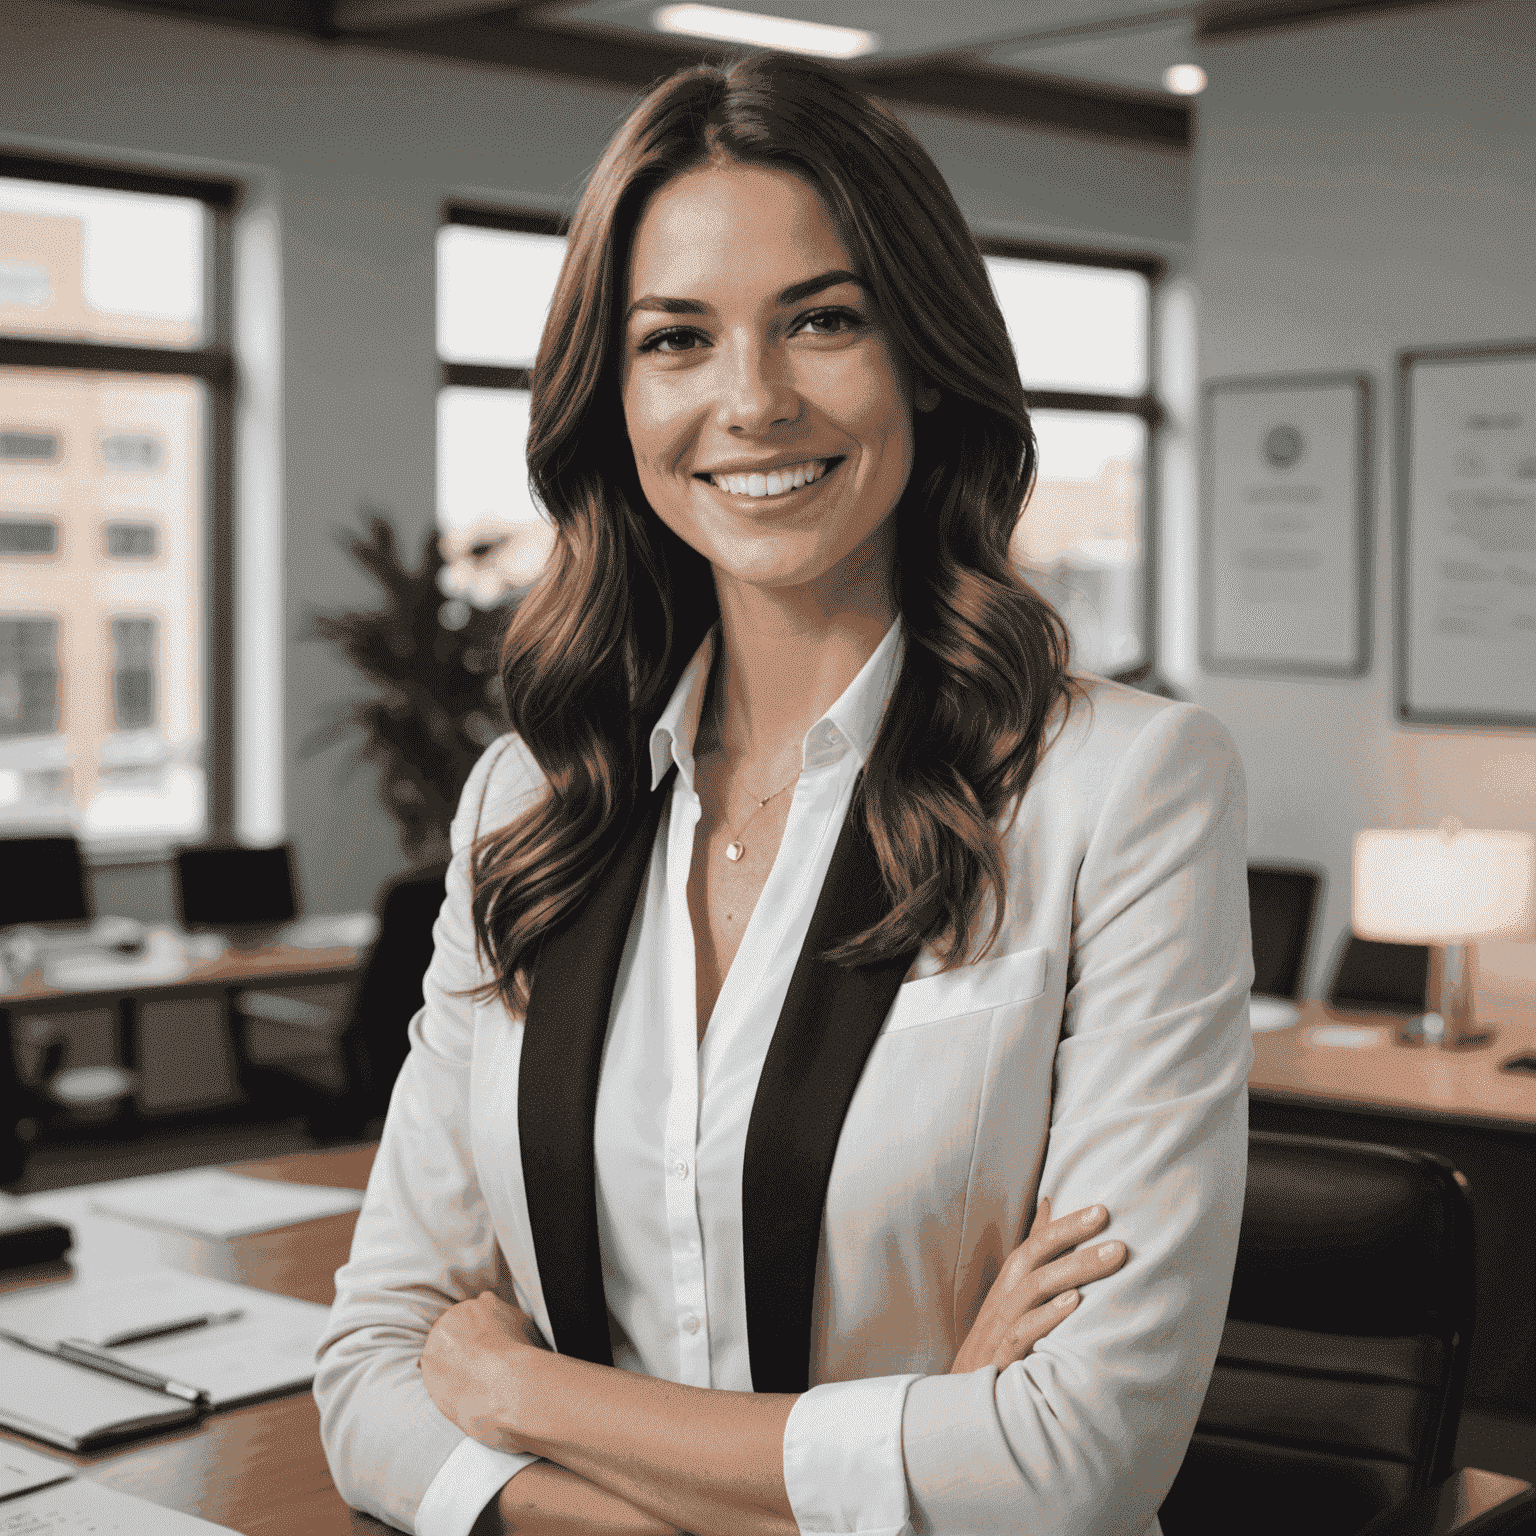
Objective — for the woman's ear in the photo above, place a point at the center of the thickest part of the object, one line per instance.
(926, 396)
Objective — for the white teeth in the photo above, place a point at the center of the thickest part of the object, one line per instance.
(775, 484)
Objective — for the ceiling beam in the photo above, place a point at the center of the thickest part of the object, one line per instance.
(366, 16)
(1231, 18)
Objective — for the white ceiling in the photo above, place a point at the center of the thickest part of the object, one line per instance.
(1127, 43)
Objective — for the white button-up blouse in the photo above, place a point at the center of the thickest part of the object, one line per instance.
(1099, 1054)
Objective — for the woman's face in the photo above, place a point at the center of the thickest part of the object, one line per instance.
(770, 418)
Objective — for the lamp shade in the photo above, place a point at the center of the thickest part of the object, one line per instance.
(1444, 887)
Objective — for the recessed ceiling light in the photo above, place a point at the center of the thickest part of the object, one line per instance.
(781, 32)
(1184, 79)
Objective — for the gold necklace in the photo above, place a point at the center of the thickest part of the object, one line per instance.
(736, 848)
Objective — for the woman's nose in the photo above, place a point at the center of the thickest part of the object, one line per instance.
(756, 390)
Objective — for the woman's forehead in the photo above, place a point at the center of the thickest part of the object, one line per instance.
(733, 224)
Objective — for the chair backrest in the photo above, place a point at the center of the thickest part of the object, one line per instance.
(223, 886)
(388, 993)
(1380, 977)
(42, 880)
(1281, 903)
(1338, 1388)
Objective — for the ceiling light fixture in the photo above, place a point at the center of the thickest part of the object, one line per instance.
(1184, 79)
(780, 32)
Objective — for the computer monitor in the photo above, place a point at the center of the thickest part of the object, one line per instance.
(42, 880)
(1378, 977)
(247, 893)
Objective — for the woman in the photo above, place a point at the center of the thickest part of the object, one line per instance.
(812, 935)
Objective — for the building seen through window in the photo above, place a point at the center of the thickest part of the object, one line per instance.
(103, 477)
(1081, 333)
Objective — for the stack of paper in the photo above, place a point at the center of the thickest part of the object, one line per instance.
(43, 1497)
(214, 1203)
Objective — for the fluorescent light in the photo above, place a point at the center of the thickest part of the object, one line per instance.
(1184, 79)
(781, 32)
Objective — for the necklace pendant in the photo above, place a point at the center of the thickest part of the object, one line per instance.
(734, 851)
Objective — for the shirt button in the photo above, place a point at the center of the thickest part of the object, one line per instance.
(679, 1169)
(690, 1325)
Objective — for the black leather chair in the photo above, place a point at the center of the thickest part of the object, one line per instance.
(371, 1038)
(1282, 902)
(1379, 978)
(1337, 1393)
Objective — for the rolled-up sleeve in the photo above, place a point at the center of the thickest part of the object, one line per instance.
(1149, 1116)
(423, 1242)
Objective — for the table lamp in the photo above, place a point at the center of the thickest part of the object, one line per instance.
(1447, 889)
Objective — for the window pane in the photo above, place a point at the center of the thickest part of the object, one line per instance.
(100, 669)
(1081, 328)
(483, 498)
(1080, 537)
(94, 265)
(493, 292)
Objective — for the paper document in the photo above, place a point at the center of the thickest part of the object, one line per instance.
(70, 1406)
(83, 1508)
(270, 1349)
(21, 1469)
(214, 1203)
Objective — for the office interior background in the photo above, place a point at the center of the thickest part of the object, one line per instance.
(343, 222)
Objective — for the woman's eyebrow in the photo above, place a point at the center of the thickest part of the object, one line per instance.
(791, 295)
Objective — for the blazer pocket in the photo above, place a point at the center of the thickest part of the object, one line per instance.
(972, 989)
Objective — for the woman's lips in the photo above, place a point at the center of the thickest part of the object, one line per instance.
(773, 485)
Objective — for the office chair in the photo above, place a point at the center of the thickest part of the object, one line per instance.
(247, 893)
(42, 880)
(1337, 1393)
(1282, 901)
(371, 1042)
(1379, 977)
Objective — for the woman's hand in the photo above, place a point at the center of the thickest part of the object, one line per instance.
(470, 1366)
(1036, 1287)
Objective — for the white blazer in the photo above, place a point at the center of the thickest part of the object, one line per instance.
(1100, 1056)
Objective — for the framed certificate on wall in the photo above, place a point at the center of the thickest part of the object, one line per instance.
(1466, 535)
(1285, 521)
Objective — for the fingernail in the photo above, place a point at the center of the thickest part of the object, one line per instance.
(1092, 1214)
(1067, 1299)
(1108, 1250)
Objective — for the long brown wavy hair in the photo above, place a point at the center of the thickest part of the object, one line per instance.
(597, 647)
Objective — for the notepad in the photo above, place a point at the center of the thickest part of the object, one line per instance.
(75, 1408)
(22, 1470)
(269, 1350)
(214, 1203)
(66, 1505)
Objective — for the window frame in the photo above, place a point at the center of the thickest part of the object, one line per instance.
(213, 363)
(1146, 405)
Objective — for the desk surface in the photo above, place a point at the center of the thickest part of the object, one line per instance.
(259, 1469)
(1465, 1086)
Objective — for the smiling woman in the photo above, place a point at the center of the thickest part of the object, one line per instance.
(812, 934)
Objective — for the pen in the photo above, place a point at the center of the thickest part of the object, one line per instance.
(164, 1330)
(79, 1353)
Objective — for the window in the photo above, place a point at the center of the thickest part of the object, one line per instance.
(132, 541)
(116, 401)
(29, 676)
(133, 674)
(496, 274)
(28, 536)
(1081, 329)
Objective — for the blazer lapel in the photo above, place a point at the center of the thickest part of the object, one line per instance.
(566, 1024)
(827, 1028)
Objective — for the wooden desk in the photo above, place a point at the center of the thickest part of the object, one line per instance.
(220, 979)
(259, 1469)
(1456, 1103)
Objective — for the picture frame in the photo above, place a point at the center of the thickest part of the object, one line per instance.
(1466, 535)
(1285, 555)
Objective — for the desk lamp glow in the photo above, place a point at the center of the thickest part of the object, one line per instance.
(1447, 889)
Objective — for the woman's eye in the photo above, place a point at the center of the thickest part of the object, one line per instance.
(672, 341)
(832, 322)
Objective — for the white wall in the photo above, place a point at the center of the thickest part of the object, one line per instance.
(349, 153)
(1361, 187)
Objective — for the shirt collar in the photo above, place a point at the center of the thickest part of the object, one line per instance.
(850, 725)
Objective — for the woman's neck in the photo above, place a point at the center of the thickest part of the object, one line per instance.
(784, 659)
